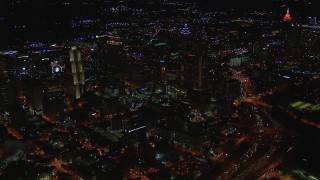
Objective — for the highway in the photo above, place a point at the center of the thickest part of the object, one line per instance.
(268, 140)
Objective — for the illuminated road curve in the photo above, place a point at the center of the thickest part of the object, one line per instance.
(11, 130)
(269, 141)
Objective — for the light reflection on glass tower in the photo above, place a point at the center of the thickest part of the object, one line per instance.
(77, 71)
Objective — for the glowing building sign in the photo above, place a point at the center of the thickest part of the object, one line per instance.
(287, 17)
(185, 30)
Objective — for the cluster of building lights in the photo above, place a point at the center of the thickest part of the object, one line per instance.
(185, 30)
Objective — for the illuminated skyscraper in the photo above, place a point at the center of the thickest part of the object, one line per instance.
(77, 71)
(200, 72)
(227, 92)
(313, 21)
(163, 71)
(109, 61)
(292, 30)
(287, 17)
(185, 37)
(185, 30)
(8, 94)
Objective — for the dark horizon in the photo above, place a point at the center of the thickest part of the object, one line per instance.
(38, 16)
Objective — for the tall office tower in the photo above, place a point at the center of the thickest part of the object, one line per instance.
(191, 72)
(8, 94)
(292, 32)
(287, 23)
(3, 69)
(101, 53)
(185, 30)
(182, 73)
(109, 61)
(77, 71)
(313, 21)
(185, 39)
(53, 105)
(287, 17)
(32, 90)
(163, 71)
(227, 92)
(200, 71)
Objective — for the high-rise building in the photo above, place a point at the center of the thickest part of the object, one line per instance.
(8, 100)
(163, 71)
(185, 30)
(3, 69)
(53, 105)
(228, 91)
(287, 17)
(313, 21)
(292, 31)
(200, 72)
(32, 90)
(185, 38)
(109, 62)
(192, 71)
(8, 94)
(77, 71)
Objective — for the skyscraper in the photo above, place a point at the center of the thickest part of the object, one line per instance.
(200, 71)
(292, 30)
(8, 94)
(287, 17)
(227, 92)
(77, 71)
(163, 71)
(185, 30)
(185, 37)
(109, 61)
